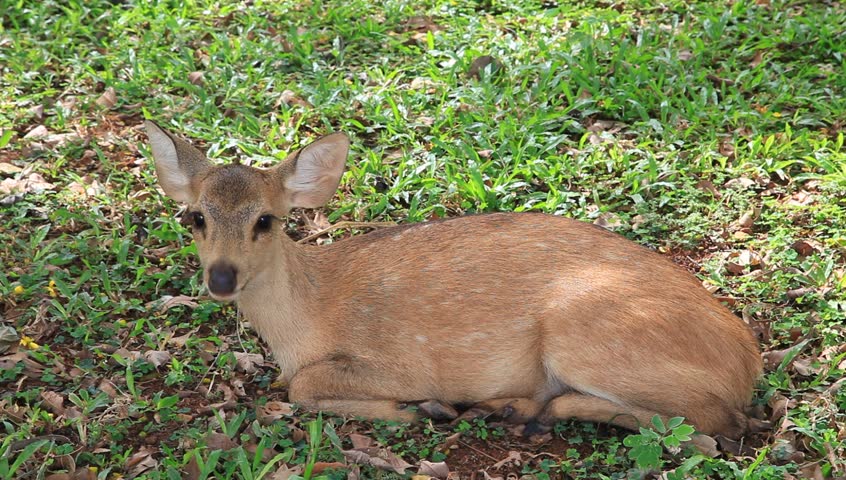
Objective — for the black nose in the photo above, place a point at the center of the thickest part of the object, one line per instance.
(222, 279)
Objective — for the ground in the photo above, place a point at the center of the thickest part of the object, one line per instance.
(709, 131)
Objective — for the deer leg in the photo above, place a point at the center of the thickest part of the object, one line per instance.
(347, 387)
(594, 409)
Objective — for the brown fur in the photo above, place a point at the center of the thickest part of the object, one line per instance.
(553, 317)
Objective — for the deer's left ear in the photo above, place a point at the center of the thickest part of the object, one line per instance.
(309, 179)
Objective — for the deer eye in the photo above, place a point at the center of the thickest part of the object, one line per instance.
(264, 222)
(198, 220)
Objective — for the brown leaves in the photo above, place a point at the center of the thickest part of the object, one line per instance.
(108, 99)
(196, 78)
(248, 362)
(219, 441)
(364, 452)
(14, 189)
(273, 411)
(166, 302)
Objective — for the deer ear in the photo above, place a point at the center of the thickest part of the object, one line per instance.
(309, 179)
(179, 166)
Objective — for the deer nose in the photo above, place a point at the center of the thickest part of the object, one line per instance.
(222, 279)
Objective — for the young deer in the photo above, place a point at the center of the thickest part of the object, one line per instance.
(542, 316)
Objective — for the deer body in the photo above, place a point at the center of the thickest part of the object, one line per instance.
(550, 317)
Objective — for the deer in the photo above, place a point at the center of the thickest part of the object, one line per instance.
(539, 316)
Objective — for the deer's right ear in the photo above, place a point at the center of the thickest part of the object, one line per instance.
(179, 166)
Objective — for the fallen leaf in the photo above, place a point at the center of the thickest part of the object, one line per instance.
(434, 469)
(319, 467)
(317, 224)
(219, 441)
(157, 357)
(196, 78)
(748, 218)
(705, 444)
(166, 302)
(757, 59)
(54, 402)
(708, 186)
(285, 472)
(38, 132)
(108, 99)
(8, 338)
(360, 441)
(799, 292)
(514, 458)
(805, 248)
(140, 462)
(192, 469)
(248, 362)
(273, 411)
(354, 473)
(608, 221)
(804, 366)
(685, 55)
(291, 99)
(9, 169)
(34, 183)
(380, 458)
(486, 64)
(181, 340)
(811, 471)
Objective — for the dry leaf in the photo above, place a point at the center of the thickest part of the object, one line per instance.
(799, 292)
(166, 302)
(437, 470)
(157, 357)
(108, 99)
(319, 467)
(360, 441)
(705, 445)
(805, 248)
(514, 458)
(8, 338)
(291, 99)
(196, 78)
(273, 411)
(483, 64)
(285, 472)
(219, 441)
(757, 59)
(748, 219)
(34, 183)
(608, 220)
(38, 132)
(54, 402)
(248, 362)
(804, 366)
(140, 462)
(181, 340)
(380, 458)
(9, 169)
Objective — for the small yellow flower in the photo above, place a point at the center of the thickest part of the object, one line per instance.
(777, 114)
(19, 290)
(51, 289)
(28, 342)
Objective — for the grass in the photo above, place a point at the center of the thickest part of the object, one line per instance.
(711, 131)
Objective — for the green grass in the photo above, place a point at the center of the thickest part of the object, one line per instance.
(671, 120)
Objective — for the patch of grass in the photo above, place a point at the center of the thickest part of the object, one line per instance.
(711, 131)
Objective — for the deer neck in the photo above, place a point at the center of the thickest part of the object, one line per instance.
(278, 304)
